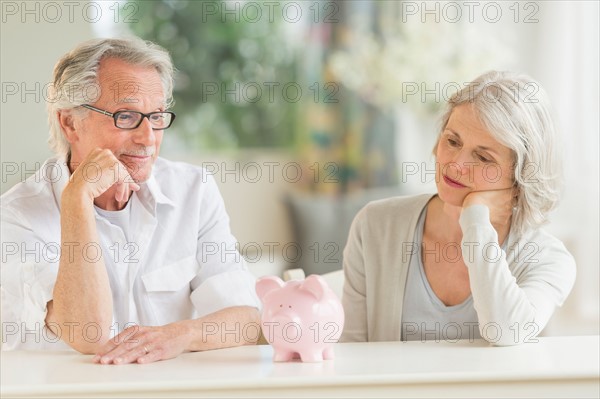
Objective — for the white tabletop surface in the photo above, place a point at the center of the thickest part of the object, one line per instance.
(560, 364)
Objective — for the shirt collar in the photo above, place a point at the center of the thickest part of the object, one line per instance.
(155, 191)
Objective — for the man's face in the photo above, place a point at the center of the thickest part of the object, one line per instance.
(123, 87)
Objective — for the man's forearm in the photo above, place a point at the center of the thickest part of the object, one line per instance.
(234, 326)
(82, 292)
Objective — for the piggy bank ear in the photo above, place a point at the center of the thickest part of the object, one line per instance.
(316, 285)
(264, 285)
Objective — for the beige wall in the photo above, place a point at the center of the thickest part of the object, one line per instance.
(29, 51)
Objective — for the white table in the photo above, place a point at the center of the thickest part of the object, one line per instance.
(553, 367)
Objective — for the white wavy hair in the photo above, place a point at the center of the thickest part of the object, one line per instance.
(75, 77)
(516, 111)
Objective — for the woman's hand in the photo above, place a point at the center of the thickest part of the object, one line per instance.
(499, 202)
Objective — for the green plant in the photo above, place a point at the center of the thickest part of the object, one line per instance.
(230, 73)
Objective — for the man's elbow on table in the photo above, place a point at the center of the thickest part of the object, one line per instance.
(84, 337)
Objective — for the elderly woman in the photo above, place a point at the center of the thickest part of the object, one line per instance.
(470, 261)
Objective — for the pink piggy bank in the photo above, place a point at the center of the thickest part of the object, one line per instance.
(300, 318)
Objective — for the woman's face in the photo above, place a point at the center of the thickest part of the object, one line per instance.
(469, 159)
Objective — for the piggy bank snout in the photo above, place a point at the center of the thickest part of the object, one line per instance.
(282, 319)
(282, 314)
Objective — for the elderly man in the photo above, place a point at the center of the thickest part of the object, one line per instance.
(108, 248)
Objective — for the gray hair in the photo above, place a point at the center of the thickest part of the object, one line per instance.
(75, 77)
(516, 111)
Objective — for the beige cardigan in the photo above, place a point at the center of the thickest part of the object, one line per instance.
(522, 286)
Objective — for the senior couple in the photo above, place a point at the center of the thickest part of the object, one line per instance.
(131, 283)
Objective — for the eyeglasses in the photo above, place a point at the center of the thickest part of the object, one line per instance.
(132, 119)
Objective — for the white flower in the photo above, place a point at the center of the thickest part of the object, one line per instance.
(432, 58)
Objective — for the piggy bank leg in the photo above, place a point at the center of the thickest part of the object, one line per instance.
(328, 353)
(282, 355)
(312, 356)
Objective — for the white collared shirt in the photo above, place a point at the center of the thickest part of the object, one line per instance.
(179, 260)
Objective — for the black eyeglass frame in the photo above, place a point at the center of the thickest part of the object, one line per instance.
(116, 115)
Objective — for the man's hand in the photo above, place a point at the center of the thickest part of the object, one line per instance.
(98, 172)
(499, 202)
(149, 344)
(145, 344)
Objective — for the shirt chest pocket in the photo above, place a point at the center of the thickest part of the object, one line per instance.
(168, 290)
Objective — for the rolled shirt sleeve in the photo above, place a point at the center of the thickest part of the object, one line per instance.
(29, 269)
(233, 288)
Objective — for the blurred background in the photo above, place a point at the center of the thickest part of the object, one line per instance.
(306, 110)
